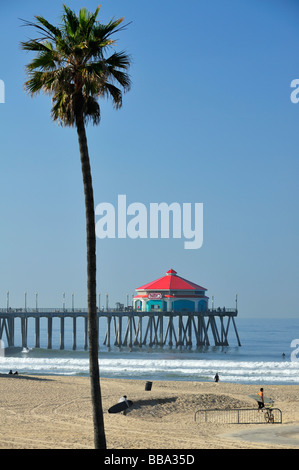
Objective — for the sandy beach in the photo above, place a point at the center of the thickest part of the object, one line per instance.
(55, 413)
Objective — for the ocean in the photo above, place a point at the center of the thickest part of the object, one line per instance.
(268, 355)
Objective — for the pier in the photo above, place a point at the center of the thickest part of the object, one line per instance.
(126, 327)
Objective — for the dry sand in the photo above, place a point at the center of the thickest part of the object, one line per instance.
(55, 413)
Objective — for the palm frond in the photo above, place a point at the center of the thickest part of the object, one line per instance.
(34, 46)
(70, 21)
(119, 60)
(111, 28)
(113, 92)
(92, 111)
(122, 78)
(92, 21)
(45, 60)
(39, 81)
(47, 29)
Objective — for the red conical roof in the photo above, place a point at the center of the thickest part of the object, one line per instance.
(171, 282)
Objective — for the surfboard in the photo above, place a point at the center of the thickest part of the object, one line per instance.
(267, 400)
(120, 406)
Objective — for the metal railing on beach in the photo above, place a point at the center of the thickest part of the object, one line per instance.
(239, 416)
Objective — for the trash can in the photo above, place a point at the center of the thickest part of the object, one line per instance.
(148, 386)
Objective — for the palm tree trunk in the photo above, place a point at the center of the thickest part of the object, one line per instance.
(98, 421)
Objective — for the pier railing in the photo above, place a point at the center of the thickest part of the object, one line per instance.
(125, 310)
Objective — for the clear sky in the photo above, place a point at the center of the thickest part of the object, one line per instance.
(208, 120)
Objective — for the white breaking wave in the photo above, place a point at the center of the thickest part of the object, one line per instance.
(159, 369)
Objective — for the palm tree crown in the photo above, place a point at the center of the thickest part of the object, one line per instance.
(70, 64)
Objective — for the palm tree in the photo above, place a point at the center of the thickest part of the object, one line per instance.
(71, 64)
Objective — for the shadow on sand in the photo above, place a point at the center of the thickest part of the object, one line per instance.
(154, 402)
(23, 377)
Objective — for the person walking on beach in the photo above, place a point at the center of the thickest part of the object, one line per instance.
(261, 402)
(216, 378)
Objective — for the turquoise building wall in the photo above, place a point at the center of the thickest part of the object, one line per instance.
(184, 305)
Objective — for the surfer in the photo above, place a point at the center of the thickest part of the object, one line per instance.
(124, 398)
(216, 378)
(261, 401)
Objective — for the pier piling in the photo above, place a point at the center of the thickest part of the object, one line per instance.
(128, 328)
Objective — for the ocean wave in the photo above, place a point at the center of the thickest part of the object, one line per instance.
(158, 369)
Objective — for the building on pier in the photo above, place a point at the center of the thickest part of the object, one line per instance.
(171, 293)
(170, 311)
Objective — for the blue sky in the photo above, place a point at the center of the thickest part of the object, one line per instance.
(208, 120)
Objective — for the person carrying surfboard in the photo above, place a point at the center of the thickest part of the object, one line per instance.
(261, 401)
(124, 398)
